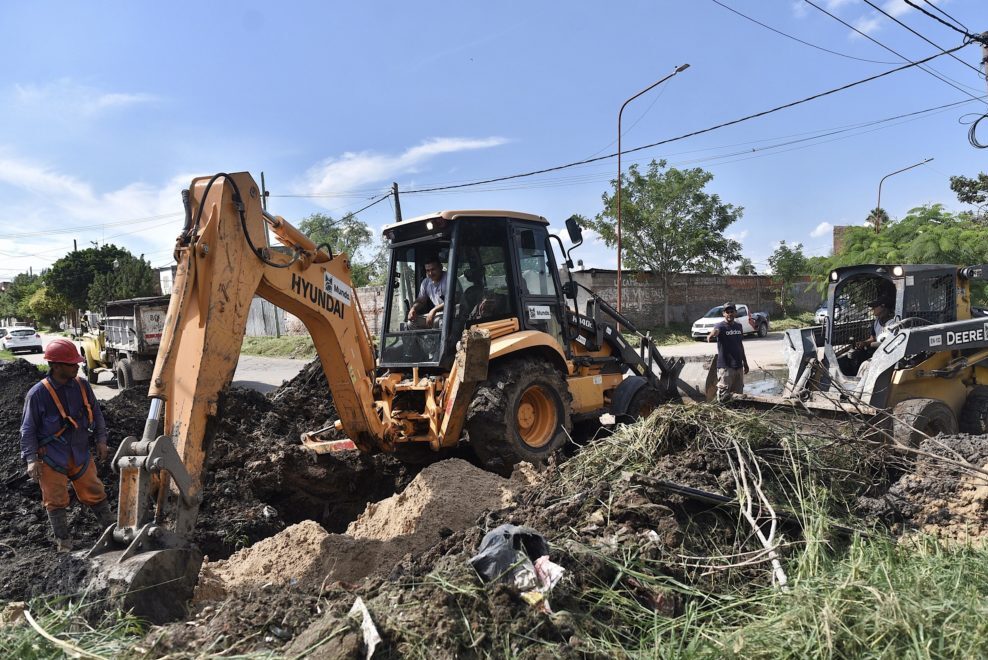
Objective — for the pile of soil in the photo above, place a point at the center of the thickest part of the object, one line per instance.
(257, 481)
(935, 497)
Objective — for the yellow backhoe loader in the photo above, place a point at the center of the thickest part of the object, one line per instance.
(503, 361)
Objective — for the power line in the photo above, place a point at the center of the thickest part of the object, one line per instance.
(936, 75)
(697, 132)
(797, 39)
(890, 16)
(376, 201)
(75, 228)
(947, 15)
(936, 18)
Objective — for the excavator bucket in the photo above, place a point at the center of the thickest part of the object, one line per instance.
(698, 379)
(154, 585)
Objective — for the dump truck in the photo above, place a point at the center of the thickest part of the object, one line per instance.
(505, 362)
(928, 373)
(125, 342)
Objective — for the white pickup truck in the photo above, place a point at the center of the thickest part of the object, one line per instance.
(751, 322)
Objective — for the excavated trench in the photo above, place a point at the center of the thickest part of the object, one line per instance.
(258, 479)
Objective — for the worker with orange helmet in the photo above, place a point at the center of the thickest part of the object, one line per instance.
(60, 414)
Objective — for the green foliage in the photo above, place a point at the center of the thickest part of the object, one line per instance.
(72, 275)
(787, 263)
(877, 219)
(48, 307)
(131, 277)
(287, 346)
(746, 267)
(353, 237)
(970, 191)
(669, 224)
(14, 301)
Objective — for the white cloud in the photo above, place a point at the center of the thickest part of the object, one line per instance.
(70, 99)
(821, 230)
(874, 20)
(352, 170)
(141, 217)
(739, 236)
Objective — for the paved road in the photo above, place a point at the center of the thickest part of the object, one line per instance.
(259, 373)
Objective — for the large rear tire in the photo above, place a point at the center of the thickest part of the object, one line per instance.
(974, 414)
(520, 413)
(125, 377)
(916, 419)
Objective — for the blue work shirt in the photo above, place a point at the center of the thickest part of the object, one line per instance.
(41, 420)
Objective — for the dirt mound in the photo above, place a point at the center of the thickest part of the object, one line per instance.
(934, 496)
(445, 497)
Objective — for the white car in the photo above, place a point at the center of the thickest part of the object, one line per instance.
(22, 339)
(820, 316)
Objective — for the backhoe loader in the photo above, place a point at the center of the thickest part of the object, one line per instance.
(927, 369)
(507, 365)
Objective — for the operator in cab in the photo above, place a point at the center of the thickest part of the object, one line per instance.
(732, 364)
(881, 309)
(432, 295)
(60, 414)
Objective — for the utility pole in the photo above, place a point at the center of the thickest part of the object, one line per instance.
(75, 248)
(264, 194)
(277, 310)
(394, 191)
(679, 69)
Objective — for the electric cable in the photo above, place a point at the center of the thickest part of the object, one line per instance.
(946, 14)
(702, 131)
(797, 39)
(936, 75)
(890, 16)
(936, 18)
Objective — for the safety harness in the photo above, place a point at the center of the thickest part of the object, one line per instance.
(67, 423)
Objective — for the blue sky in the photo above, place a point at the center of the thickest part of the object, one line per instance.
(108, 109)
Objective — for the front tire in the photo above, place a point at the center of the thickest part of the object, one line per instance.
(763, 330)
(520, 413)
(916, 419)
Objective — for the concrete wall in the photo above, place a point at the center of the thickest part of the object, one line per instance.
(690, 294)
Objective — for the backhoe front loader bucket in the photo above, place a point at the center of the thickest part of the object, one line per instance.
(698, 379)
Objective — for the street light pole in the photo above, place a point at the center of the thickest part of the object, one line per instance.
(679, 69)
(878, 219)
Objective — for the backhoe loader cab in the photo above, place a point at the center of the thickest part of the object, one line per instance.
(925, 365)
(496, 266)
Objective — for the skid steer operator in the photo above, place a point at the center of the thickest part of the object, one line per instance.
(60, 412)
(860, 357)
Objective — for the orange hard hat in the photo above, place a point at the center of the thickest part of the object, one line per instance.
(62, 350)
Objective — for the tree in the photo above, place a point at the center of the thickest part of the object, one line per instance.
(787, 263)
(349, 235)
(48, 307)
(877, 219)
(72, 275)
(669, 224)
(131, 277)
(746, 267)
(13, 301)
(971, 191)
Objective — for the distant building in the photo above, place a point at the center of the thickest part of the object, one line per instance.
(840, 232)
(4, 286)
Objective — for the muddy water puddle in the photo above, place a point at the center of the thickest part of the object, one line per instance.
(765, 382)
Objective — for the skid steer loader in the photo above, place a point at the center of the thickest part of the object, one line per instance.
(507, 365)
(928, 373)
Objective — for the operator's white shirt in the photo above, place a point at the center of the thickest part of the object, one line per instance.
(434, 291)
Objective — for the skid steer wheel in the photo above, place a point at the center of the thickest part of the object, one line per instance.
(125, 377)
(974, 414)
(915, 419)
(520, 413)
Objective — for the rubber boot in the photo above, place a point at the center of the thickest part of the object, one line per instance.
(104, 514)
(60, 529)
